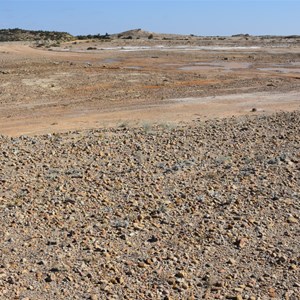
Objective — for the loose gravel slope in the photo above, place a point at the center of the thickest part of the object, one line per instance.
(208, 210)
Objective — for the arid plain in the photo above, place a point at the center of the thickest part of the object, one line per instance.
(134, 80)
(145, 166)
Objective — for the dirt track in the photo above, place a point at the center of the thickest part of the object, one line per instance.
(141, 81)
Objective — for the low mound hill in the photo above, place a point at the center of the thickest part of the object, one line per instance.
(143, 34)
(16, 34)
(134, 33)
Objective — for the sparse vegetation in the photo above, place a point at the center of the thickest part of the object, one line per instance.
(124, 124)
(17, 34)
(167, 126)
(146, 126)
(95, 36)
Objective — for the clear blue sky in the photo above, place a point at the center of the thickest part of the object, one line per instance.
(202, 17)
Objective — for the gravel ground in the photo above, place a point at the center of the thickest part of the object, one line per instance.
(208, 210)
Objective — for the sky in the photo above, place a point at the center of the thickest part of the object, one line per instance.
(199, 17)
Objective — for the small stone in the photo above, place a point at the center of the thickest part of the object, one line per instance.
(292, 220)
(11, 280)
(39, 276)
(297, 284)
(142, 265)
(153, 239)
(120, 280)
(271, 84)
(237, 297)
(232, 261)
(241, 243)
(94, 297)
(171, 281)
(184, 285)
(148, 261)
(50, 277)
(180, 274)
(113, 281)
(272, 292)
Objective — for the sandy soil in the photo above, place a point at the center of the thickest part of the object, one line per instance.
(137, 81)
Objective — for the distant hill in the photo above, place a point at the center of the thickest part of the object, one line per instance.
(50, 37)
(134, 33)
(129, 34)
(16, 34)
(142, 34)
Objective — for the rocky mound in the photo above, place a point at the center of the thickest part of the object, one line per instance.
(144, 35)
(135, 33)
(202, 211)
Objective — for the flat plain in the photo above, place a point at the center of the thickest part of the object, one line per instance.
(90, 84)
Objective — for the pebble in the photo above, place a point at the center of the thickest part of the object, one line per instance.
(292, 220)
(50, 277)
(272, 293)
(242, 242)
(180, 274)
(232, 261)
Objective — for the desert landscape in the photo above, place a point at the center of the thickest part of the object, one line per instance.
(129, 78)
(149, 166)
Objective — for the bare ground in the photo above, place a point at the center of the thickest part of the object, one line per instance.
(150, 173)
(141, 81)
